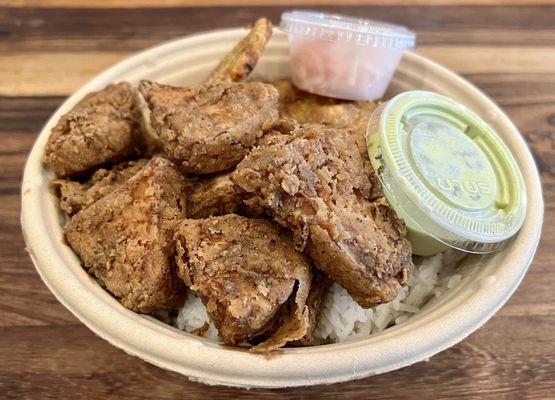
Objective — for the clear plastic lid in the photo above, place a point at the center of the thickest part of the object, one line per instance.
(446, 171)
(334, 28)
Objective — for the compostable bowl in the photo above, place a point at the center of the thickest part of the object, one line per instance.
(488, 280)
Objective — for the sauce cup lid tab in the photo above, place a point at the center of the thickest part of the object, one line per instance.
(339, 28)
(446, 171)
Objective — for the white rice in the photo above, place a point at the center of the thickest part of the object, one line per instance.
(342, 319)
(193, 316)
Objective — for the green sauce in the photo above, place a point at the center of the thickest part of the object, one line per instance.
(446, 173)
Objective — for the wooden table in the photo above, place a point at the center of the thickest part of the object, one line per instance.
(46, 53)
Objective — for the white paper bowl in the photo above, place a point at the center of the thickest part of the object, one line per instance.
(488, 280)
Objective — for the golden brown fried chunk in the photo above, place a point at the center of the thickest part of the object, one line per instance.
(215, 195)
(101, 128)
(75, 196)
(210, 128)
(241, 60)
(293, 326)
(316, 184)
(244, 270)
(287, 324)
(309, 108)
(280, 131)
(126, 238)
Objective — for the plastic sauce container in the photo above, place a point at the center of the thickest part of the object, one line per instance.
(343, 57)
(447, 173)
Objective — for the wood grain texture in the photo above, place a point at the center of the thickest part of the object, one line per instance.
(62, 73)
(46, 53)
(54, 51)
(210, 3)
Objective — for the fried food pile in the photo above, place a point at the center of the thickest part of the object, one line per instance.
(315, 183)
(256, 196)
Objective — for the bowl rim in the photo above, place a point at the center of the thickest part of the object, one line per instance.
(211, 363)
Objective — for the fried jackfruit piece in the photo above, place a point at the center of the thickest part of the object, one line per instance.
(125, 239)
(215, 195)
(245, 270)
(334, 113)
(241, 60)
(211, 127)
(318, 290)
(316, 185)
(102, 128)
(75, 195)
(353, 116)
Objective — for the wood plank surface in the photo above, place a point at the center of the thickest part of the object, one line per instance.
(211, 3)
(61, 73)
(49, 51)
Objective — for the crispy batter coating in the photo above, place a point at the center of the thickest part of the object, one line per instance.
(244, 270)
(215, 195)
(293, 325)
(286, 322)
(318, 290)
(308, 108)
(102, 128)
(311, 108)
(211, 127)
(315, 184)
(75, 195)
(241, 60)
(126, 238)
(280, 131)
